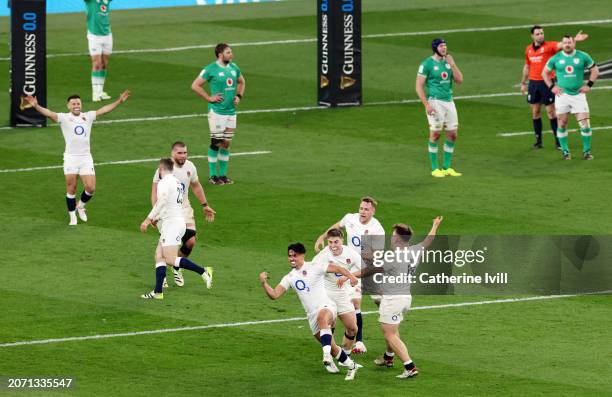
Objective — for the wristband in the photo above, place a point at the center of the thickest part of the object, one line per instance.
(590, 83)
(239, 96)
(204, 205)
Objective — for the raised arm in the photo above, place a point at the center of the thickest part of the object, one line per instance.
(432, 233)
(457, 75)
(579, 37)
(320, 243)
(44, 111)
(198, 87)
(273, 293)
(198, 190)
(112, 106)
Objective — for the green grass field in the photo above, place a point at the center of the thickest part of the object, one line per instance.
(63, 282)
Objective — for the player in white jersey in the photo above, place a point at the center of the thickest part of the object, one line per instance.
(76, 128)
(358, 225)
(187, 174)
(306, 278)
(396, 299)
(167, 213)
(339, 254)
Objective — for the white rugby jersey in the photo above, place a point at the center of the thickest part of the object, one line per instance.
(308, 284)
(76, 131)
(187, 174)
(348, 259)
(355, 229)
(170, 196)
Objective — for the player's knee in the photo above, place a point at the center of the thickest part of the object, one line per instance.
(215, 143)
(351, 331)
(584, 123)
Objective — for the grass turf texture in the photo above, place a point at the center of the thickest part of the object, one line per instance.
(61, 282)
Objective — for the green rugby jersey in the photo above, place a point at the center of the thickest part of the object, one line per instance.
(569, 69)
(98, 17)
(439, 79)
(223, 81)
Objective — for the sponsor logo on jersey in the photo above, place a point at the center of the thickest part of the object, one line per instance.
(569, 69)
(102, 8)
(562, 62)
(444, 75)
(436, 68)
(221, 74)
(229, 82)
(79, 130)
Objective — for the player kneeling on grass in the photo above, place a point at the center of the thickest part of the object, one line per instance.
(393, 306)
(168, 212)
(306, 278)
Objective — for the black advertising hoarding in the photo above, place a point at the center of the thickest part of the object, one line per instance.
(28, 61)
(339, 52)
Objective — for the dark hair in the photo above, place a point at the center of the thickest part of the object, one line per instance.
(335, 233)
(403, 230)
(370, 200)
(535, 27)
(220, 48)
(74, 96)
(178, 143)
(567, 36)
(298, 248)
(167, 163)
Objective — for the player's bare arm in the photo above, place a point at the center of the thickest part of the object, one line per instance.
(457, 75)
(579, 37)
(331, 268)
(420, 90)
(44, 111)
(153, 194)
(240, 90)
(524, 79)
(198, 87)
(198, 190)
(432, 233)
(548, 81)
(592, 78)
(112, 106)
(273, 293)
(320, 243)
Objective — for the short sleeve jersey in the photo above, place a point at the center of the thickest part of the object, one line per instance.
(570, 69)
(169, 199)
(355, 229)
(536, 58)
(307, 281)
(439, 79)
(348, 259)
(98, 17)
(187, 174)
(77, 131)
(222, 81)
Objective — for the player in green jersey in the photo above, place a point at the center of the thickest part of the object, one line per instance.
(100, 41)
(437, 74)
(227, 86)
(570, 90)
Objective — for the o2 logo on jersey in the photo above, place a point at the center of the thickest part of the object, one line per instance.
(444, 75)
(569, 69)
(229, 81)
(300, 285)
(79, 130)
(180, 189)
(356, 241)
(394, 317)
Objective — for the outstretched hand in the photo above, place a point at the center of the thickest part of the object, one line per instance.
(124, 96)
(31, 100)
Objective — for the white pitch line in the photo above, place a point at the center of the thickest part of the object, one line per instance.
(280, 320)
(52, 167)
(511, 134)
(297, 109)
(312, 40)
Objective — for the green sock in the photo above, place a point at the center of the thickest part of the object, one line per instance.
(212, 162)
(433, 155)
(586, 139)
(562, 135)
(224, 156)
(449, 148)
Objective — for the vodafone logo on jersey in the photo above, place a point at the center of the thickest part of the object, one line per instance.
(444, 75)
(229, 81)
(102, 8)
(569, 69)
